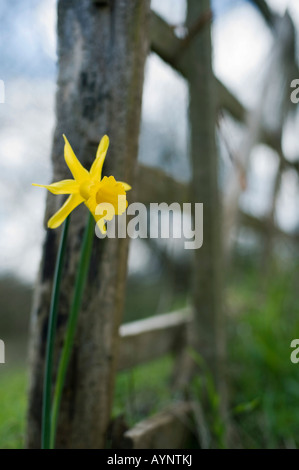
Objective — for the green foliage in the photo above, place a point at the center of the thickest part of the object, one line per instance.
(13, 384)
(246, 407)
(138, 393)
(144, 390)
(264, 382)
(203, 389)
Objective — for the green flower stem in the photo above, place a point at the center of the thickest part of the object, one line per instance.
(72, 323)
(46, 411)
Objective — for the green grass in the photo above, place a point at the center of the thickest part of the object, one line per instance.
(144, 390)
(264, 382)
(13, 386)
(138, 393)
(263, 318)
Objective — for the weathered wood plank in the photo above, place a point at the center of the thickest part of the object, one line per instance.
(172, 428)
(154, 185)
(165, 185)
(262, 225)
(208, 333)
(165, 43)
(151, 338)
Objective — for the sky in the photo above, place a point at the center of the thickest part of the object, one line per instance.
(241, 43)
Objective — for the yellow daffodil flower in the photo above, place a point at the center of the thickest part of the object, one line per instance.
(88, 187)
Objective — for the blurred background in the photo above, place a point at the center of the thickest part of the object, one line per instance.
(257, 63)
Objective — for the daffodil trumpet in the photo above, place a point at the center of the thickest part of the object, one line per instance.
(88, 187)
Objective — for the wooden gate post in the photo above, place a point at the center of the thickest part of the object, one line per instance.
(208, 334)
(102, 47)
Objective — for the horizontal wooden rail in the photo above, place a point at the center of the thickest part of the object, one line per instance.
(167, 189)
(145, 340)
(172, 428)
(264, 225)
(154, 185)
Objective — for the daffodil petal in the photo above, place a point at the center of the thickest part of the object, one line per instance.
(96, 167)
(61, 187)
(78, 171)
(71, 203)
(126, 186)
